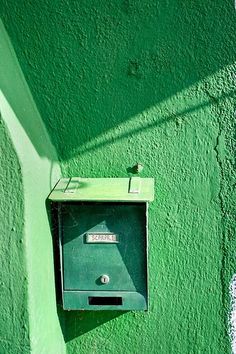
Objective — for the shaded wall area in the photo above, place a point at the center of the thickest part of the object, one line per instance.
(93, 65)
(123, 81)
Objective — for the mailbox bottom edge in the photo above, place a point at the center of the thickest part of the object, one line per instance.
(104, 300)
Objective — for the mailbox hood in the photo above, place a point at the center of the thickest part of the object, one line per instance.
(134, 189)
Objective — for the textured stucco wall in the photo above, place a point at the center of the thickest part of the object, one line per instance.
(13, 287)
(28, 321)
(153, 81)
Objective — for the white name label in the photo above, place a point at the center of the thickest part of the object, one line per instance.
(101, 238)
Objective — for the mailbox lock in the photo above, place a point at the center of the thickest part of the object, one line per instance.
(104, 279)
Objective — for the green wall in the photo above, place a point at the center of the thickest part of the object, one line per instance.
(117, 82)
(29, 322)
(13, 289)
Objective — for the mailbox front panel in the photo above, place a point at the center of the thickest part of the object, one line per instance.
(104, 239)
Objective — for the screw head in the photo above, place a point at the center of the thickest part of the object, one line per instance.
(138, 167)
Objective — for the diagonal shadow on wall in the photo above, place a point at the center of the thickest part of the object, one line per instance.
(103, 64)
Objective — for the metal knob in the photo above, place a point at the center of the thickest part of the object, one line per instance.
(104, 279)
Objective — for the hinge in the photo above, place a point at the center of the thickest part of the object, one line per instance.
(135, 185)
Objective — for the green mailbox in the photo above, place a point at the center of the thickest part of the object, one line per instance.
(103, 242)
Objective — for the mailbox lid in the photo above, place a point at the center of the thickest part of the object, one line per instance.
(134, 189)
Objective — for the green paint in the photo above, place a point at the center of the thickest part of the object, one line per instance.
(133, 189)
(30, 323)
(125, 261)
(13, 282)
(118, 82)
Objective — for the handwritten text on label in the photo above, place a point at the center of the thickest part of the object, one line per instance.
(101, 238)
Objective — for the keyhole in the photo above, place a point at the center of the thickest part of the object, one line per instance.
(105, 279)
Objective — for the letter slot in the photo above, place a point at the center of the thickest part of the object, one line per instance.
(105, 301)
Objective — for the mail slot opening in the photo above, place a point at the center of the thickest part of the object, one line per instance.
(101, 300)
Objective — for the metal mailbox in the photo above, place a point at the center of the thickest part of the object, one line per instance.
(103, 242)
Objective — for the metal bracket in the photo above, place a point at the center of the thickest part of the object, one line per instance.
(72, 185)
(135, 185)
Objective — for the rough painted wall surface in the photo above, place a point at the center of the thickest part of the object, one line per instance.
(29, 321)
(153, 81)
(13, 289)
